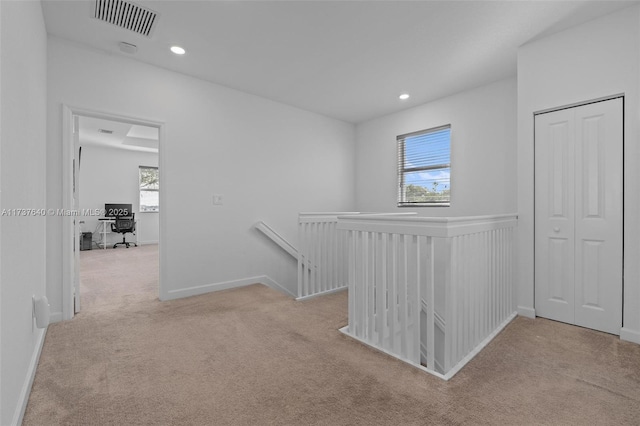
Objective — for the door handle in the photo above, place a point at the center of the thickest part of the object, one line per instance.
(556, 229)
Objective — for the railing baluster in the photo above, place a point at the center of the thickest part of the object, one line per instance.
(384, 291)
(450, 247)
(477, 279)
(369, 283)
(402, 295)
(352, 278)
(319, 257)
(360, 287)
(512, 304)
(313, 262)
(461, 294)
(486, 279)
(503, 276)
(466, 296)
(377, 279)
(496, 279)
(416, 295)
(300, 257)
(305, 258)
(429, 297)
(343, 268)
(337, 281)
(325, 257)
(393, 295)
(474, 288)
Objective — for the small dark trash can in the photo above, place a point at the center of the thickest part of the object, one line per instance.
(86, 241)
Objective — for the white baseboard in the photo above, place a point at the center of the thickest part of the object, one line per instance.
(453, 369)
(480, 347)
(345, 330)
(55, 317)
(275, 285)
(23, 399)
(146, 243)
(322, 293)
(526, 312)
(630, 335)
(226, 285)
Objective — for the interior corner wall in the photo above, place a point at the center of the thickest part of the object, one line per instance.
(268, 160)
(594, 60)
(23, 54)
(483, 152)
(111, 175)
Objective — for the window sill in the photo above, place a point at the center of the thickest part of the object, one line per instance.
(424, 204)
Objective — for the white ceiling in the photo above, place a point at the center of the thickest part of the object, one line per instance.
(125, 136)
(349, 60)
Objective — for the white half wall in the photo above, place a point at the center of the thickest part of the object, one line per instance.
(269, 161)
(597, 59)
(483, 152)
(23, 84)
(110, 175)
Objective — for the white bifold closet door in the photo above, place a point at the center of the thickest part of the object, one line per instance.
(578, 215)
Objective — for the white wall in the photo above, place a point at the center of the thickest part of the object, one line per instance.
(23, 53)
(483, 152)
(109, 175)
(269, 160)
(594, 60)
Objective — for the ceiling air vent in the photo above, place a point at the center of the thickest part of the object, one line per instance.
(126, 15)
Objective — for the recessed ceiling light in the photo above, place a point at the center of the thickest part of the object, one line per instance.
(178, 50)
(404, 96)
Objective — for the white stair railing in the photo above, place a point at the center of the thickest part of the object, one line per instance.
(321, 266)
(430, 291)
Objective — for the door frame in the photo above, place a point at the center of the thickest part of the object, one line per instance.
(69, 155)
(575, 105)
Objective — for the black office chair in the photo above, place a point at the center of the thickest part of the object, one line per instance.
(124, 225)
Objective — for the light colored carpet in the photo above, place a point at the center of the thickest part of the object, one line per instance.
(252, 356)
(113, 278)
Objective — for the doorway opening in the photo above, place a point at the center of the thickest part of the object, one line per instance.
(112, 169)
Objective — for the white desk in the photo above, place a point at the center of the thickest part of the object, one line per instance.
(106, 229)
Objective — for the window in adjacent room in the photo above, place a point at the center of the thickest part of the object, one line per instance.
(424, 168)
(149, 189)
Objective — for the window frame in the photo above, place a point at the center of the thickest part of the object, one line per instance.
(401, 200)
(141, 190)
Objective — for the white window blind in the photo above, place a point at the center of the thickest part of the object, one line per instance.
(424, 168)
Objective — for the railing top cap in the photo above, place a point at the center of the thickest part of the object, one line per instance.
(433, 220)
(327, 213)
(310, 217)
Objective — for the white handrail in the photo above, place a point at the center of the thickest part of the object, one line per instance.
(277, 238)
(426, 226)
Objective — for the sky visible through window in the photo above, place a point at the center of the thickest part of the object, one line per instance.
(428, 150)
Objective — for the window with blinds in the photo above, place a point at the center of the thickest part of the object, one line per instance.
(424, 168)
